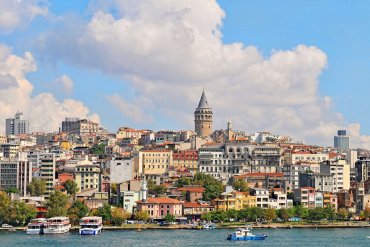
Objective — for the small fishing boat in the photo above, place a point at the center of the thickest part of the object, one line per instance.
(243, 234)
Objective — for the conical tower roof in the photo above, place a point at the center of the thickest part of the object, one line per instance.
(203, 103)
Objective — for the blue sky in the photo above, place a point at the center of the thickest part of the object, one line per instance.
(340, 29)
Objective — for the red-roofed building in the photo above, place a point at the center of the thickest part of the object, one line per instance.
(192, 193)
(187, 159)
(159, 207)
(263, 179)
(194, 210)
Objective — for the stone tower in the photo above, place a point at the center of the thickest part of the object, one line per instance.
(203, 118)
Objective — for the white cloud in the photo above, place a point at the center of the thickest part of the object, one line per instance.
(62, 84)
(169, 50)
(43, 110)
(129, 110)
(14, 13)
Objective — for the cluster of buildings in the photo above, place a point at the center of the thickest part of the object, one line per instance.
(116, 167)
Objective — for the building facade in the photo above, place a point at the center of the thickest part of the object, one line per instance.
(341, 141)
(17, 125)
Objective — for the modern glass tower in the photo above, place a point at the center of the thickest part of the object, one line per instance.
(341, 141)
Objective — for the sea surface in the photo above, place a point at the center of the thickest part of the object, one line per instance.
(159, 238)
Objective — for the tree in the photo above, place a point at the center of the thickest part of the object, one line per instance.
(342, 214)
(98, 149)
(213, 186)
(57, 204)
(244, 214)
(105, 212)
(329, 213)
(270, 214)
(20, 213)
(169, 218)
(256, 213)
(113, 188)
(232, 214)
(12, 190)
(206, 216)
(71, 187)
(142, 215)
(37, 187)
(300, 212)
(181, 182)
(119, 215)
(154, 189)
(316, 214)
(77, 210)
(367, 213)
(283, 214)
(4, 207)
(240, 185)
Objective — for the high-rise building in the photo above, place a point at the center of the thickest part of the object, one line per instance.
(203, 118)
(68, 123)
(46, 163)
(15, 173)
(16, 125)
(341, 141)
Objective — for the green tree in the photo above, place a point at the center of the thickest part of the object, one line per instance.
(240, 185)
(181, 182)
(4, 207)
(119, 215)
(71, 187)
(329, 213)
(154, 189)
(57, 204)
(342, 214)
(76, 211)
(316, 214)
(105, 212)
(12, 190)
(169, 218)
(232, 214)
(98, 149)
(367, 213)
(206, 216)
(37, 187)
(270, 214)
(256, 213)
(142, 215)
(244, 214)
(20, 213)
(283, 214)
(300, 212)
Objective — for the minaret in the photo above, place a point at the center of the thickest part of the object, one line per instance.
(203, 117)
(144, 190)
(229, 131)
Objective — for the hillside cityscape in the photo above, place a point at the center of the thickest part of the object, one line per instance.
(177, 176)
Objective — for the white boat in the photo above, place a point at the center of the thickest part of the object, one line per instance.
(36, 226)
(91, 225)
(57, 225)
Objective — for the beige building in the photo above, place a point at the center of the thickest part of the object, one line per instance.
(87, 177)
(340, 170)
(84, 127)
(155, 162)
(46, 163)
(203, 118)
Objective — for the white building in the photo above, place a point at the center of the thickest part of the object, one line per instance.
(121, 169)
(340, 171)
(262, 197)
(46, 163)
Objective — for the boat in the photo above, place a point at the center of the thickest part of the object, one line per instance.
(243, 234)
(209, 226)
(57, 225)
(36, 226)
(91, 225)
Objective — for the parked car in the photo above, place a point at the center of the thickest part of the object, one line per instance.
(6, 226)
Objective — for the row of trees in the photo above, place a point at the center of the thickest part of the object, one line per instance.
(257, 214)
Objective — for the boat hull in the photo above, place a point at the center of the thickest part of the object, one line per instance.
(59, 230)
(246, 238)
(34, 232)
(85, 231)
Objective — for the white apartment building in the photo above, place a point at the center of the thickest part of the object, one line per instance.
(340, 171)
(46, 163)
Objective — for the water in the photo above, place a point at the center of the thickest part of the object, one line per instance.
(159, 238)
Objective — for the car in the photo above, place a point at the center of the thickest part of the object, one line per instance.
(6, 226)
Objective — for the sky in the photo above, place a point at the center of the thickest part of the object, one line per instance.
(296, 68)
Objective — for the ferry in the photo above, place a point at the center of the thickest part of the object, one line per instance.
(91, 226)
(36, 226)
(57, 225)
(243, 234)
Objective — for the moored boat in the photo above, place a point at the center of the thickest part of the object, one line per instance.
(243, 234)
(91, 225)
(36, 226)
(57, 225)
